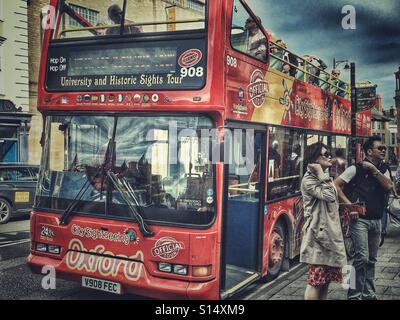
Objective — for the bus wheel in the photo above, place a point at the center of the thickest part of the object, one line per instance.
(5, 211)
(277, 249)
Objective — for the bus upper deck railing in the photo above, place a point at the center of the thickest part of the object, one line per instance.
(302, 73)
(325, 82)
(141, 24)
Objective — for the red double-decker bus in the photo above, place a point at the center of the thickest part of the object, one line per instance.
(137, 98)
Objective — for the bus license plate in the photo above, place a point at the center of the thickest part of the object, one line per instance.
(102, 285)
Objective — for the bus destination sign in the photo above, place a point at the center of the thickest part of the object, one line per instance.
(142, 66)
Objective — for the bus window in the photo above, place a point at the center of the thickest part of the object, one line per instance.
(337, 147)
(244, 166)
(104, 18)
(160, 158)
(246, 35)
(285, 162)
(339, 155)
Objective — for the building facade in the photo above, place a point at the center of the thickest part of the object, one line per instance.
(35, 34)
(14, 81)
(384, 124)
(397, 103)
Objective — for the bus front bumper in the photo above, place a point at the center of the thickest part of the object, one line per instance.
(134, 279)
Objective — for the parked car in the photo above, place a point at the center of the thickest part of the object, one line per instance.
(17, 189)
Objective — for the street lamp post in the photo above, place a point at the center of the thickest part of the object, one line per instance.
(353, 110)
(353, 99)
(336, 63)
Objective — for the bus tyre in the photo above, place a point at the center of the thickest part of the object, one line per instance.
(5, 211)
(277, 250)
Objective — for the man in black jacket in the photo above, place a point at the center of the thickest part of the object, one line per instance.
(367, 182)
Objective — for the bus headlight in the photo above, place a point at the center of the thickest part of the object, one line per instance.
(180, 269)
(173, 268)
(164, 267)
(41, 247)
(54, 249)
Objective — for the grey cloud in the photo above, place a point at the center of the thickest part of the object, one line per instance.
(314, 26)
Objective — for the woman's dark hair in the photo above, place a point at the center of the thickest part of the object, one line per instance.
(313, 152)
(369, 143)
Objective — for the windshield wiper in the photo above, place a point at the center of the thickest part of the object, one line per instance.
(101, 170)
(129, 196)
(75, 201)
(122, 186)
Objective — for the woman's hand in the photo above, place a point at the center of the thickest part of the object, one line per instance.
(316, 169)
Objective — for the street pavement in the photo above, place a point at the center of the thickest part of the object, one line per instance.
(291, 285)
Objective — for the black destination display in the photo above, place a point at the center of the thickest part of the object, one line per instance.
(127, 66)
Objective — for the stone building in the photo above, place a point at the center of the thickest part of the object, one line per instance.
(397, 102)
(14, 81)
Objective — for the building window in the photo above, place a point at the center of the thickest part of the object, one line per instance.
(393, 138)
(89, 14)
(1, 11)
(195, 5)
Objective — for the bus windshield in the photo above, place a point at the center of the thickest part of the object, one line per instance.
(122, 17)
(161, 158)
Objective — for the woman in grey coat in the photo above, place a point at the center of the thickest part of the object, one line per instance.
(323, 245)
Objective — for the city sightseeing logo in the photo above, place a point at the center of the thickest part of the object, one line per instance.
(257, 89)
(87, 232)
(190, 58)
(167, 248)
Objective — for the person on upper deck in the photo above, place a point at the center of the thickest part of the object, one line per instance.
(115, 15)
(257, 42)
(314, 70)
(291, 60)
(338, 86)
(276, 54)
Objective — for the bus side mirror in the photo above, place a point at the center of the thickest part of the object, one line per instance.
(236, 30)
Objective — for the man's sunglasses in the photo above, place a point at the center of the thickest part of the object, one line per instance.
(381, 148)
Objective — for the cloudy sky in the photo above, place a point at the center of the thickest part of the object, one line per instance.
(315, 27)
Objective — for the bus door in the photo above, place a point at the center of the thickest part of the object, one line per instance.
(243, 201)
